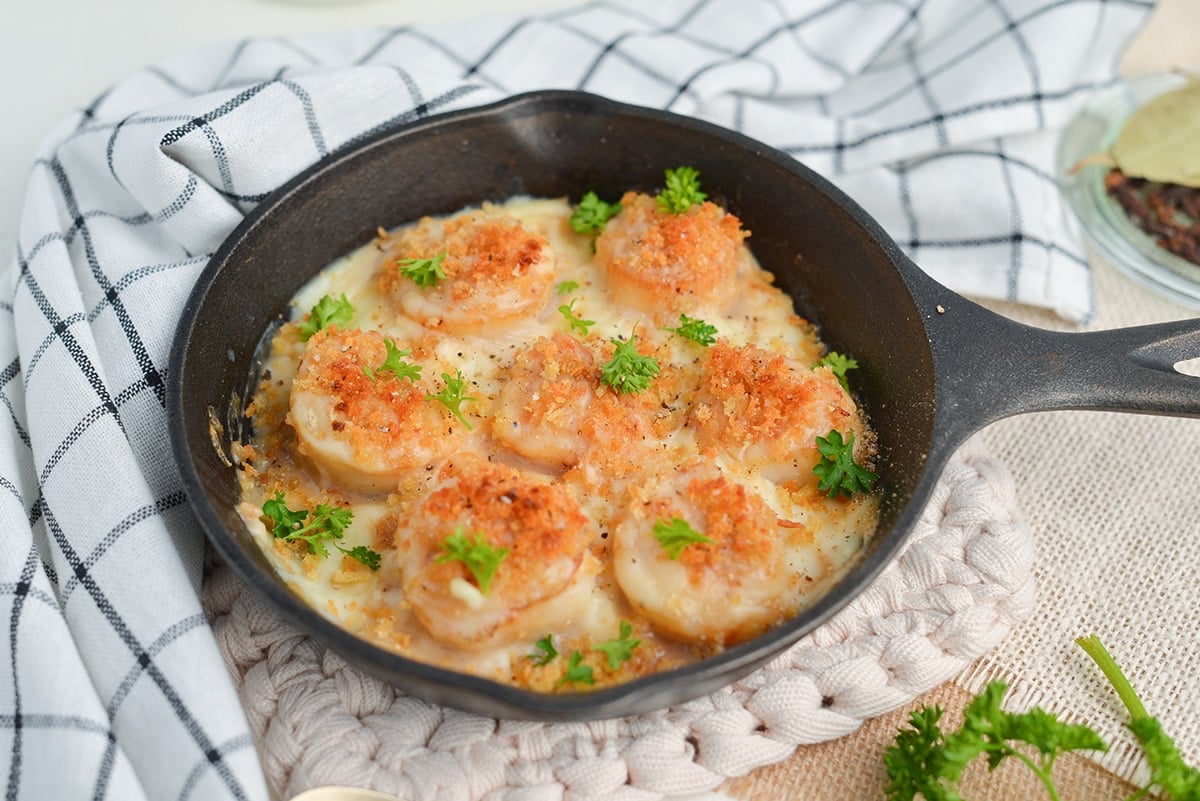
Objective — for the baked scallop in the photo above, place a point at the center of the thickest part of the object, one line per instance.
(360, 427)
(662, 264)
(476, 270)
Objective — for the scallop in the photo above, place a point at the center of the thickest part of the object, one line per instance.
(662, 263)
(361, 428)
(492, 557)
(765, 410)
(705, 558)
(496, 272)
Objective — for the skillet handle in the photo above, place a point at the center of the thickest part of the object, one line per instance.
(990, 367)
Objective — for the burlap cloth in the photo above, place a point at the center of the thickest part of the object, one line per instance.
(1109, 497)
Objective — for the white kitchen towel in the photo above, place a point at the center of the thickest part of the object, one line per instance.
(938, 116)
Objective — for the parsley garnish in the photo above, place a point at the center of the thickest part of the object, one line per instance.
(286, 520)
(563, 287)
(480, 558)
(696, 330)
(362, 553)
(837, 469)
(838, 364)
(328, 310)
(681, 192)
(328, 523)
(621, 649)
(676, 535)
(927, 761)
(452, 396)
(575, 321)
(1167, 768)
(547, 653)
(577, 672)
(628, 371)
(592, 214)
(395, 364)
(423, 272)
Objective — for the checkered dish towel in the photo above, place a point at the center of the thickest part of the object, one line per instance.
(937, 115)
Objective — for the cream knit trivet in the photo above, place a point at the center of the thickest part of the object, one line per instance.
(962, 582)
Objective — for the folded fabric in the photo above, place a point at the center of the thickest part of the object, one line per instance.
(937, 117)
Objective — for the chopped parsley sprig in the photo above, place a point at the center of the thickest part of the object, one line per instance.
(575, 321)
(682, 191)
(838, 471)
(628, 371)
(326, 311)
(838, 365)
(592, 214)
(423, 272)
(619, 650)
(453, 396)
(577, 672)
(395, 364)
(546, 652)
(696, 330)
(675, 535)
(479, 556)
(326, 525)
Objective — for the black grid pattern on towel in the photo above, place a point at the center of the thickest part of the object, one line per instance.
(101, 558)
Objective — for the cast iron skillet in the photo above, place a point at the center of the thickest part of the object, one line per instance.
(934, 367)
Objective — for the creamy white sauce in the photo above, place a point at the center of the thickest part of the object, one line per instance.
(371, 604)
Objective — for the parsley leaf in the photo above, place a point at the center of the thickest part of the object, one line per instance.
(395, 364)
(682, 190)
(927, 761)
(592, 214)
(480, 558)
(621, 649)
(696, 330)
(326, 523)
(676, 535)
(328, 310)
(452, 397)
(838, 471)
(423, 272)
(1167, 768)
(563, 287)
(838, 364)
(363, 554)
(286, 520)
(547, 652)
(577, 672)
(575, 321)
(628, 371)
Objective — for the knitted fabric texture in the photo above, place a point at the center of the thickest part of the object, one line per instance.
(962, 582)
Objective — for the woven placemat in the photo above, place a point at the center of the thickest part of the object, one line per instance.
(962, 582)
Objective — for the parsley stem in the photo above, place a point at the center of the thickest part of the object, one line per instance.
(1092, 646)
(1042, 773)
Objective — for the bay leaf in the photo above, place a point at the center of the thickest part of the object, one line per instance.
(1160, 141)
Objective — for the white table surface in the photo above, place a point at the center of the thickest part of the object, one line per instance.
(57, 56)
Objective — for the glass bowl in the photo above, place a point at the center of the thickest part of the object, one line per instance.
(1103, 222)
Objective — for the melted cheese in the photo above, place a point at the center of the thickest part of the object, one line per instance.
(547, 463)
